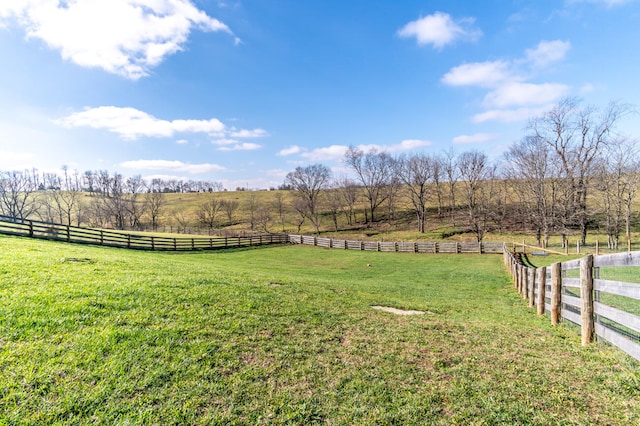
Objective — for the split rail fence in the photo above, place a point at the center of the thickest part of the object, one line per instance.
(73, 234)
(577, 291)
(401, 247)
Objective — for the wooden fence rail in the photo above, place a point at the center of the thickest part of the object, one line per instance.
(73, 234)
(400, 247)
(574, 291)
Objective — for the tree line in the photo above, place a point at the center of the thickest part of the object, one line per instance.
(569, 173)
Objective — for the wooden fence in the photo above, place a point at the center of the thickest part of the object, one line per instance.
(401, 247)
(576, 291)
(73, 234)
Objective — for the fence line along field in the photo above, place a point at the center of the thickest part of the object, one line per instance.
(287, 335)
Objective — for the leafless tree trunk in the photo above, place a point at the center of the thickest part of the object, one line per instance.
(230, 207)
(474, 173)
(578, 136)
(18, 196)
(280, 208)
(417, 172)
(308, 182)
(374, 170)
(208, 212)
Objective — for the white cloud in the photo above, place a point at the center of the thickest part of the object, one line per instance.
(293, 149)
(182, 142)
(173, 166)
(472, 139)
(440, 29)
(131, 123)
(124, 37)
(333, 152)
(255, 133)
(407, 145)
(507, 82)
(336, 152)
(548, 52)
(519, 94)
(230, 145)
(483, 74)
(509, 115)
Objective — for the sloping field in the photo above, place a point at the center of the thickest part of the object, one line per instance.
(287, 335)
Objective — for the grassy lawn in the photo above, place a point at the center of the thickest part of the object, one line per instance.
(286, 335)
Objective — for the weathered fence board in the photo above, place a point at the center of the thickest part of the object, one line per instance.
(618, 340)
(618, 287)
(621, 317)
(585, 307)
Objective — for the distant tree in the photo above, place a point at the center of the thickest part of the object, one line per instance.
(374, 170)
(616, 181)
(208, 212)
(531, 169)
(263, 218)
(182, 220)
(62, 198)
(229, 207)
(416, 172)
(308, 182)
(18, 196)
(348, 190)
(474, 173)
(280, 208)
(252, 206)
(155, 202)
(450, 170)
(578, 136)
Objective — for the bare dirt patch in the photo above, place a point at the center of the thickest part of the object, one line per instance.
(398, 311)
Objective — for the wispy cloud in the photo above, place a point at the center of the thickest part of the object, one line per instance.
(547, 52)
(336, 152)
(235, 145)
(293, 149)
(124, 37)
(440, 29)
(473, 139)
(511, 96)
(131, 124)
(172, 166)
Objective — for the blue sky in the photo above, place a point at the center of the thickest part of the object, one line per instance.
(242, 92)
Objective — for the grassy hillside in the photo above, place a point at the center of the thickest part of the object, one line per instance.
(287, 336)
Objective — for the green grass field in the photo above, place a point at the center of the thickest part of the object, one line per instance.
(286, 335)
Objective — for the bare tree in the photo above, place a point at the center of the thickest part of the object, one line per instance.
(252, 204)
(229, 207)
(18, 196)
(348, 191)
(155, 201)
(617, 182)
(280, 208)
(476, 175)
(182, 220)
(263, 218)
(62, 198)
(450, 170)
(530, 166)
(417, 172)
(208, 212)
(308, 182)
(578, 136)
(374, 170)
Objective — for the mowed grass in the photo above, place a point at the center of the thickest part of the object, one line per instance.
(286, 335)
